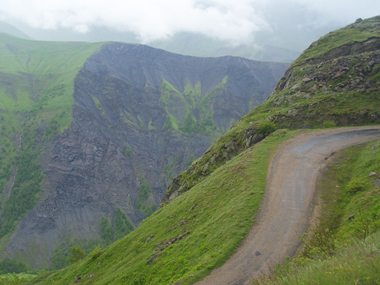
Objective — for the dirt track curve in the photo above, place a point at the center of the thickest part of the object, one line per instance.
(288, 203)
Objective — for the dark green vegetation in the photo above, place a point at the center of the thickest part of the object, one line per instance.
(70, 252)
(143, 203)
(335, 82)
(36, 87)
(26, 185)
(115, 229)
(185, 239)
(344, 247)
(8, 265)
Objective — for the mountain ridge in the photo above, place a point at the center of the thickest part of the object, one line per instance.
(308, 95)
(107, 149)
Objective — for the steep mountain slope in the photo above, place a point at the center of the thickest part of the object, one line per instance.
(104, 128)
(335, 82)
(36, 83)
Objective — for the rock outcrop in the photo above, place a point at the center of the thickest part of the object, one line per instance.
(335, 82)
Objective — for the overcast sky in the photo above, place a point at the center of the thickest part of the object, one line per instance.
(236, 21)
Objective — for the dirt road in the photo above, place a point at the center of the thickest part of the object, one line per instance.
(288, 203)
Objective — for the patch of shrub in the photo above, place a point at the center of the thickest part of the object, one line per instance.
(11, 266)
(265, 128)
(357, 184)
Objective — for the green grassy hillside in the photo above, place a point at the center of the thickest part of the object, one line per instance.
(348, 228)
(36, 95)
(40, 76)
(334, 83)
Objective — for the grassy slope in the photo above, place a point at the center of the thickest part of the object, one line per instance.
(310, 95)
(350, 209)
(356, 32)
(357, 264)
(52, 67)
(36, 88)
(185, 239)
(171, 244)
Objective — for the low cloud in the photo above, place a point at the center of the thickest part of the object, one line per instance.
(235, 21)
(228, 20)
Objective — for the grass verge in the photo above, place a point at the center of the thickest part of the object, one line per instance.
(15, 279)
(345, 246)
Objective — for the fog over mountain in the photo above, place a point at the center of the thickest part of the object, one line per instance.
(259, 29)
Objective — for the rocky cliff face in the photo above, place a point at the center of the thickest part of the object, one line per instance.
(140, 116)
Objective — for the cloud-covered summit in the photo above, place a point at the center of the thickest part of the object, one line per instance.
(235, 21)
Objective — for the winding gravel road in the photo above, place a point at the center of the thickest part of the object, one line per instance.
(288, 203)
